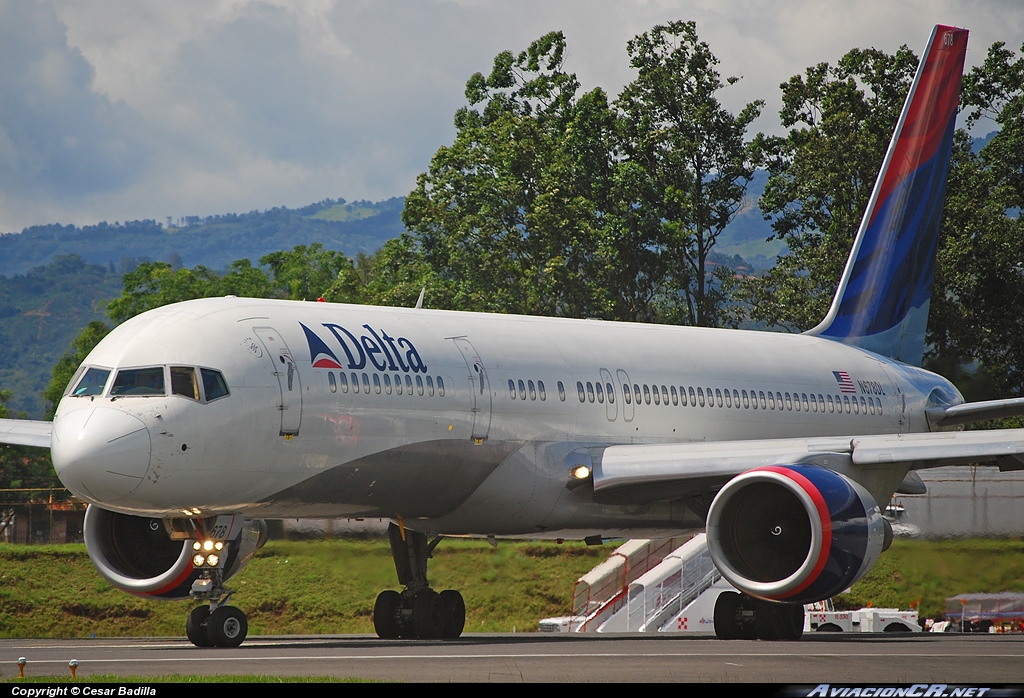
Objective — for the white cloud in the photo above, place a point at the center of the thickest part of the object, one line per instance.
(120, 109)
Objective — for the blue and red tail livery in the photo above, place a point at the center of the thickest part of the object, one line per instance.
(883, 298)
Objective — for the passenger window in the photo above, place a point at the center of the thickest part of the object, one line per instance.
(728, 399)
(647, 394)
(92, 382)
(694, 402)
(807, 406)
(746, 401)
(511, 388)
(771, 400)
(366, 384)
(355, 383)
(611, 393)
(846, 403)
(789, 402)
(540, 389)
(376, 383)
(657, 397)
(600, 393)
(533, 393)
(440, 386)
(398, 384)
(430, 387)
(332, 381)
(214, 385)
(718, 396)
(139, 381)
(579, 391)
(590, 391)
(760, 396)
(419, 386)
(831, 406)
(522, 390)
(408, 384)
(387, 383)
(700, 396)
(561, 391)
(636, 393)
(627, 395)
(344, 382)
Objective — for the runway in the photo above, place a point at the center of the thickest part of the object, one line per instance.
(918, 658)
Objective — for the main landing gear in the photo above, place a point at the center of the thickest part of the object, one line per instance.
(742, 617)
(418, 611)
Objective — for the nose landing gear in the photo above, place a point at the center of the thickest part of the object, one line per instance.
(418, 611)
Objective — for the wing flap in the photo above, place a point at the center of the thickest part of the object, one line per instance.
(25, 432)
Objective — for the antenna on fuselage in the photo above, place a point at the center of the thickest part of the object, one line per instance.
(419, 301)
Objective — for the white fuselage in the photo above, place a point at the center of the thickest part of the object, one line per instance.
(490, 455)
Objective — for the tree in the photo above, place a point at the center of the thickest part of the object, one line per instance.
(821, 174)
(979, 285)
(684, 166)
(550, 202)
(507, 215)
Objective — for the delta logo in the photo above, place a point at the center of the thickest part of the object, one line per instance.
(382, 351)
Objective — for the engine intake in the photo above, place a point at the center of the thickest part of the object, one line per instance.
(137, 554)
(796, 533)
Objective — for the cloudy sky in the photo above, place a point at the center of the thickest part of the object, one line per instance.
(125, 109)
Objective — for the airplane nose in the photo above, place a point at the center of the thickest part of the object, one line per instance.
(100, 454)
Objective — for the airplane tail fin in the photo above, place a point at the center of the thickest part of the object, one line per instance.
(883, 297)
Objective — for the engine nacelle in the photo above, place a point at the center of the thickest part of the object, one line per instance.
(137, 554)
(795, 533)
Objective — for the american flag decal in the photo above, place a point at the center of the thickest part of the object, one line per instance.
(845, 384)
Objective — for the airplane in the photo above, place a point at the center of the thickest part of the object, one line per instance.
(190, 425)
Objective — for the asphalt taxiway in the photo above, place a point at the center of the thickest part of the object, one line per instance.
(917, 658)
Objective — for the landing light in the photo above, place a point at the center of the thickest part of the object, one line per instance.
(580, 472)
(198, 560)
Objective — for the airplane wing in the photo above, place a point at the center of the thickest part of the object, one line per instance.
(636, 474)
(25, 432)
(975, 412)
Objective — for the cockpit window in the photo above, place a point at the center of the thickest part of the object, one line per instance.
(139, 381)
(183, 382)
(92, 382)
(213, 384)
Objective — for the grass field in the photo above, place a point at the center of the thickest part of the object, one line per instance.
(294, 588)
(329, 586)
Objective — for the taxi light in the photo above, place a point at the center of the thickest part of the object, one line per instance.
(213, 560)
(198, 560)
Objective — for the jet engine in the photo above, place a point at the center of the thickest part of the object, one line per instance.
(137, 554)
(794, 533)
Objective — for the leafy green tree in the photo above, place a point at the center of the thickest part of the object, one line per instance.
(507, 215)
(306, 273)
(684, 166)
(554, 202)
(155, 284)
(821, 173)
(975, 314)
